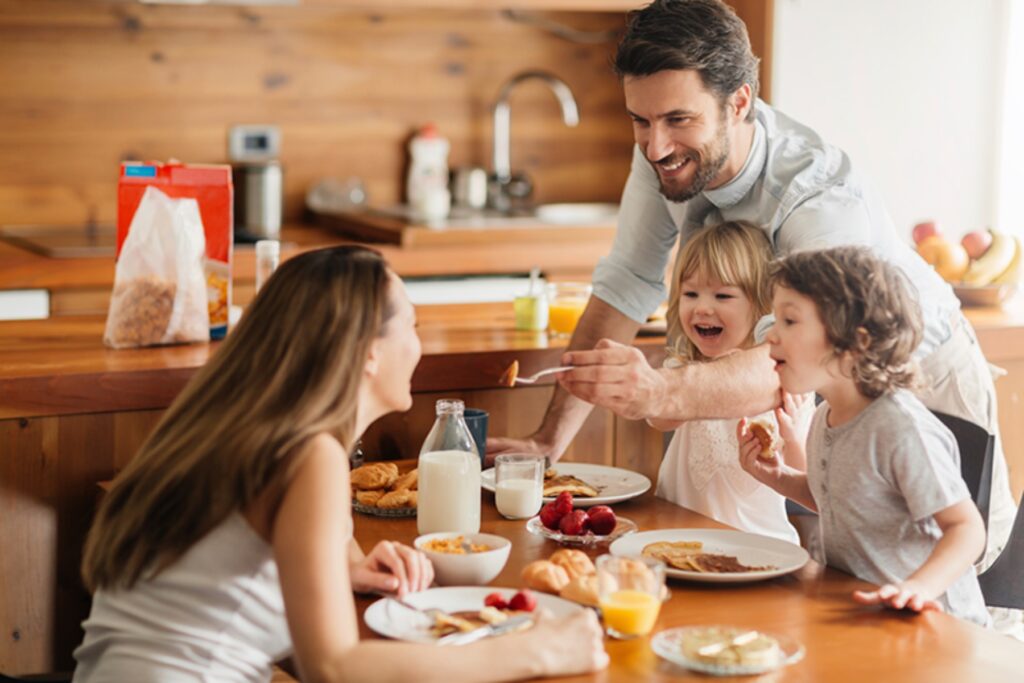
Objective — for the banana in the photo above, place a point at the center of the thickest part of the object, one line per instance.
(1014, 273)
(994, 262)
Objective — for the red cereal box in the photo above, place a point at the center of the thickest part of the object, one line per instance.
(210, 186)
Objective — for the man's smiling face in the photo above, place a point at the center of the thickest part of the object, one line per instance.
(681, 128)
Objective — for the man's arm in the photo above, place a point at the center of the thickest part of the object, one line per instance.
(619, 378)
(566, 413)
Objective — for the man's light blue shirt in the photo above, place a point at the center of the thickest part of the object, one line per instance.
(801, 190)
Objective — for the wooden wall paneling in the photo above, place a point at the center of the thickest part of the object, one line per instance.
(28, 542)
(346, 87)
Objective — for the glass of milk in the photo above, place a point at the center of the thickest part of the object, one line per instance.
(519, 484)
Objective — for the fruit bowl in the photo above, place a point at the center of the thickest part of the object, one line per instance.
(984, 295)
(623, 526)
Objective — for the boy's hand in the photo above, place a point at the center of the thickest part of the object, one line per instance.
(765, 471)
(907, 595)
(786, 414)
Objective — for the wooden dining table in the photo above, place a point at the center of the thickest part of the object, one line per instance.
(843, 641)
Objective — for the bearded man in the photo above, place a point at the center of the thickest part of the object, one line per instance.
(708, 150)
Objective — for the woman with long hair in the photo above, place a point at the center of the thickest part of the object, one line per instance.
(227, 543)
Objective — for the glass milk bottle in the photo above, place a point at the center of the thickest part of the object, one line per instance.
(449, 475)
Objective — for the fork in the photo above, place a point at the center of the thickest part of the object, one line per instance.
(537, 375)
(429, 612)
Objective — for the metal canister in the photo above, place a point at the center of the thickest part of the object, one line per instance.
(259, 187)
(469, 187)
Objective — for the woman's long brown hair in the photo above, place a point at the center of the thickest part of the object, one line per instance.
(289, 371)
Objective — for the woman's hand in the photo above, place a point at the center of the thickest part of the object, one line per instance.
(907, 595)
(567, 646)
(765, 471)
(392, 568)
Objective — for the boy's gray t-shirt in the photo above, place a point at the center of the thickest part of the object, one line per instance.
(878, 480)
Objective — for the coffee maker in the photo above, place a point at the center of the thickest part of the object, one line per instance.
(258, 181)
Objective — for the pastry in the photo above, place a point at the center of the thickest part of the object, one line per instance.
(574, 562)
(765, 433)
(377, 475)
(582, 589)
(368, 498)
(731, 646)
(544, 575)
(671, 553)
(565, 482)
(508, 378)
(409, 480)
(398, 499)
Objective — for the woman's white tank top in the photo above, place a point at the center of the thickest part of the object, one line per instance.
(216, 614)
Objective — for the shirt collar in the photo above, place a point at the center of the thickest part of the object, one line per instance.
(732, 192)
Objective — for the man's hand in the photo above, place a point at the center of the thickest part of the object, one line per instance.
(617, 377)
(392, 568)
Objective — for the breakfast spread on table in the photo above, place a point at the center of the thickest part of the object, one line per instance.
(727, 646)
(688, 556)
(379, 486)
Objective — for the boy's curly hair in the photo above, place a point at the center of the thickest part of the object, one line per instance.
(867, 309)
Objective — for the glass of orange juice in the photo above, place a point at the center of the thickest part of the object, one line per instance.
(629, 594)
(566, 301)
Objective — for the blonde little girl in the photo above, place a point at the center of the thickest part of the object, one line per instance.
(882, 471)
(720, 291)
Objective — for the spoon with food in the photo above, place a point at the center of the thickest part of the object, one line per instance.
(511, 376)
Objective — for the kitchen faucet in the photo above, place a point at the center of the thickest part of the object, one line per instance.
(502, 190)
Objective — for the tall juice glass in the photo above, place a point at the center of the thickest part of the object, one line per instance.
(566, 301)
(629, 593)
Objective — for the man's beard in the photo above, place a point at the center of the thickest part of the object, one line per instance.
(714, 155)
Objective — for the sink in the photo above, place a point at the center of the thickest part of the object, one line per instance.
(577, 214)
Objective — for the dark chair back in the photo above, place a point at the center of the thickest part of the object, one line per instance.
(1002, 583)
(976, 448)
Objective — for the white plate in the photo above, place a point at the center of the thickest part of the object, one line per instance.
(623, 526)
(668, 644)
(750, 549)
(613, 484)
(394, 621)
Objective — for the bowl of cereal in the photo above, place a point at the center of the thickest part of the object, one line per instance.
(464, 559)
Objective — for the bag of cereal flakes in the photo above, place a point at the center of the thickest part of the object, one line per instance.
(159, 286)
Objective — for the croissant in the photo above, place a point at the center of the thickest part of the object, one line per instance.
(582, 589)
(545, 576)
(574, 562)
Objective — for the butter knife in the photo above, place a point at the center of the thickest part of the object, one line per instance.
(487, 631)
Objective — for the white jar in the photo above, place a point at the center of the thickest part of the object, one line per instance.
(427, 182)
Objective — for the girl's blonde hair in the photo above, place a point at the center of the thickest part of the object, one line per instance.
(735, 253)
(289, 371)
(866, 307)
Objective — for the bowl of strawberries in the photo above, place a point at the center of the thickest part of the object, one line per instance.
(560, 521)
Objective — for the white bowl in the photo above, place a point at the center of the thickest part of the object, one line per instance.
(471, 569)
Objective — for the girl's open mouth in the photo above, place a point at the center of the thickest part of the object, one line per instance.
(708, 331)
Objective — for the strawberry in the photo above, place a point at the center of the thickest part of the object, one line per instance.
(563, 503)
(523, 601)
(550, 516)
(602, 520)
(575, 523)
(496, 601)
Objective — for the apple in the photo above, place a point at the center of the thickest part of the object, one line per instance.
(602, 520)
(948, 259)
(976, 243)
(924, 229)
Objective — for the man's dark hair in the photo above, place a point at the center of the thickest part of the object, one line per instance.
(703, 35)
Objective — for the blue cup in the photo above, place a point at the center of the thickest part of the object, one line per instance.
(476, 420)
